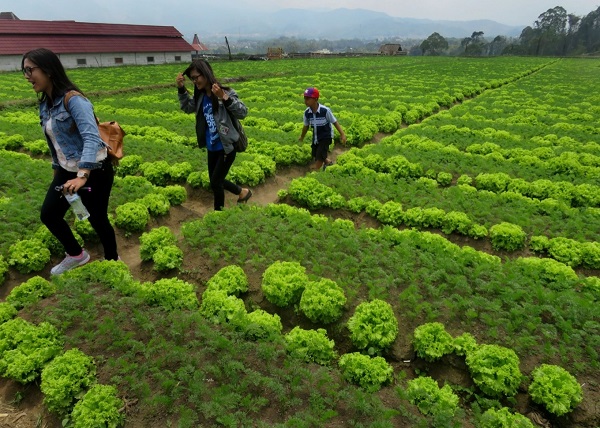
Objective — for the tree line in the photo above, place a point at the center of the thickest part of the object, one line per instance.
(554, 33)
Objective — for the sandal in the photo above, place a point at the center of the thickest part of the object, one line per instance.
(245, 198)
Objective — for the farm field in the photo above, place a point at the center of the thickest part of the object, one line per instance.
(468, 195)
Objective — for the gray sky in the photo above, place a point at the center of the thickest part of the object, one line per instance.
(166, 12)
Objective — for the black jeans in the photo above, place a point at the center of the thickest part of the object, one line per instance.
(218, 167)
(55, 207)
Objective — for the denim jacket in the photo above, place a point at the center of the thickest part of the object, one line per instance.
(76, 132)
(227, 132)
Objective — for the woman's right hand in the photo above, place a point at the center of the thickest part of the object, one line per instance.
(180, 80)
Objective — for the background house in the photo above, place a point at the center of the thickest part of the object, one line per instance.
(84, 44)
(391, 49)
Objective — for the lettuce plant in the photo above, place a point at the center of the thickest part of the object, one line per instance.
(66, 378)
(175, 194)
(260, 324)
(425, 393)
(28, 255)
(156, 238)
(156, 173)
(156, 203)
(322, 301)
(370, 373)
(26, 348)
(31, 291)
(219, 307)
(167, 258)
(232, 279)
(495, 370)
(170, 293)
(464, 344)
(432, 341)
(132, 216)
(283, 282)
(7, 312)
(310, 345)
(555, 388)
(3, 268)
(493, 418)
(507, 236)
(373, 325)
(99, 407)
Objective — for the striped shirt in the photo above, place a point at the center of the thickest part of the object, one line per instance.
(320, 122)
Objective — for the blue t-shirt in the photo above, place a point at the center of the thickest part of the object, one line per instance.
(213, 141)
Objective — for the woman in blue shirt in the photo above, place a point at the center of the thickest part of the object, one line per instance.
(79, 158)
(213, 104)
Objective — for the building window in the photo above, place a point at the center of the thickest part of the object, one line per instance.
(81, 61)
(118, 60)
(150, 59)
(177, 57)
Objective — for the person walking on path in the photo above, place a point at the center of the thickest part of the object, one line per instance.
(214, 104)
(79, 158)
(320, 119)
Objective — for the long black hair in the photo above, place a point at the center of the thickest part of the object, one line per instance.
(50, 64)
(204, 68)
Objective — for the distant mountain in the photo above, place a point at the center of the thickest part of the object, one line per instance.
(334, 25)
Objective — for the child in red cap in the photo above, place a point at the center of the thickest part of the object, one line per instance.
(319, 118)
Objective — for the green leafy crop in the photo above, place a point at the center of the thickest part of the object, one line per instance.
(493, 418)
(28, 255)
(232, 279)
(283, 282)
(170, 293)
(495, 370)
(432, 341)
(555, 388)
(310, 345)
(66, 378)
(373, 325)
(99, 407)
(259, 324)
(370, 373)
(322, 301)
(425, 393)
(31, 291)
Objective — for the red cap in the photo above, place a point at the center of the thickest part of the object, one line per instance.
(311, 93)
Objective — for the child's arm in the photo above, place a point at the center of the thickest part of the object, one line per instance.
(341, 131)
(303, 134)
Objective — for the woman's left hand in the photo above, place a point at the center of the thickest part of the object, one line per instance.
(218, 91)
(73, 185)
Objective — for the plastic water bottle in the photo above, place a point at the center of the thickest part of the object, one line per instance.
(78, 208)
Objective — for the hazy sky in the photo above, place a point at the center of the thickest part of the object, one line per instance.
(167, 12)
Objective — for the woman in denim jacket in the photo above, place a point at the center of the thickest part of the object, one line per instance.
(79, 158)
(213, 103)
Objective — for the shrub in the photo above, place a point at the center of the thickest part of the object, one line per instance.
(507, 236)
(425, 393)
(231, 279)
(322, 301)
(170, 293)
(310, 345)
(493, 418)
(370, 373)
(99, 407)
(66, 378)
(283, 282)
(28, 255)
(31, 291)
(132, 216)
(555, 388)
(495, 370)
(373, 325)
(156, 238)
(260, 324)
(431, 341)
(219, 307)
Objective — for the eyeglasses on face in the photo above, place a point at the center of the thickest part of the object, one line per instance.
(194, 78)
(28, 70)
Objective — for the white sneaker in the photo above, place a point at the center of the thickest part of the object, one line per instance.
(70, 262)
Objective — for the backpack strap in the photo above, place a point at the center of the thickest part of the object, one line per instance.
(68, 96)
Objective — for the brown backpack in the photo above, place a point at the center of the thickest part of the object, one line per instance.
(110, 132)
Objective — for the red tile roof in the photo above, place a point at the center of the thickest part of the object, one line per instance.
(19, 36)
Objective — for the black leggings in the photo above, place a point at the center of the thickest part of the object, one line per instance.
(55, 207)
(218, 167)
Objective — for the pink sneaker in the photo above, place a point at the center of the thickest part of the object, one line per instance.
(70, 262)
